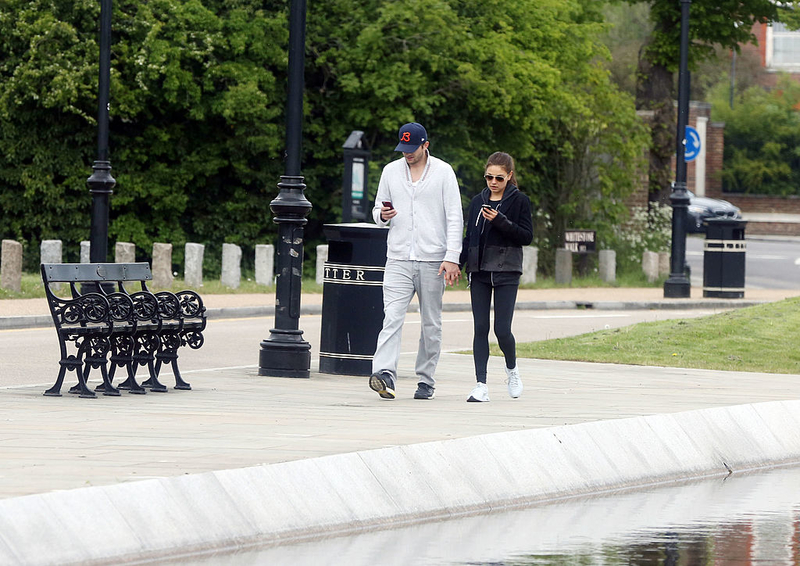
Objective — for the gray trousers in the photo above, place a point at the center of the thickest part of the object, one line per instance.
(400, 281)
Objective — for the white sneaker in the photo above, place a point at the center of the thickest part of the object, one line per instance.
(514, 382)
(480, 394)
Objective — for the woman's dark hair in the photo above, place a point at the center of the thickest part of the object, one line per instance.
(505, 161)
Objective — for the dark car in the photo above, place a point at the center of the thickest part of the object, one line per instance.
(702, 208)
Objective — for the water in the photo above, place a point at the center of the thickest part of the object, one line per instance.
(744, 519)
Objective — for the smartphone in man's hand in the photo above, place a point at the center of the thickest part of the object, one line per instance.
(388, 204)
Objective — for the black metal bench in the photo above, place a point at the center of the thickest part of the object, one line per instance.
(138, 328)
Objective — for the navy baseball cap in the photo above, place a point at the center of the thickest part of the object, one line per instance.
(412, 135)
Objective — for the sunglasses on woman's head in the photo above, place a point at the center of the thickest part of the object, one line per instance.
(499, 178)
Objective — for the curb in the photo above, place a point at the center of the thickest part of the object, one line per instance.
(388, 487)
(44, 321)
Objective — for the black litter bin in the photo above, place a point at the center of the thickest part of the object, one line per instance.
(352, 297)
(723, 258)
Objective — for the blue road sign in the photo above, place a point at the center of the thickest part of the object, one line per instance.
(692, 142)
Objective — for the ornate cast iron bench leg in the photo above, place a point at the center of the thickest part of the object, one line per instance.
(69, 363)
(152, 382)
(168, 355)
(122, 348)
(147, 345)
(96, 359)
(130, 383)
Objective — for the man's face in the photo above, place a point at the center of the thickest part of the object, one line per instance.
(417, 156)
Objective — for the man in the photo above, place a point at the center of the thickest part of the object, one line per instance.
(419, 199)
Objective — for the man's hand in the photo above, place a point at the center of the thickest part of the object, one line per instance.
(387, 213)
(451, 272)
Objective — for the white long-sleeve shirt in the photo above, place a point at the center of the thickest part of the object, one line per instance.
(429, 222)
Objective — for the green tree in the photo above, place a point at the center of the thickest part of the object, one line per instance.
(713, 23)
(762, 138)
(196, 110)
(522, 77)
(45, 108)
(198, 96)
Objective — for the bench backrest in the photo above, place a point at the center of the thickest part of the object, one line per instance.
(80, 272)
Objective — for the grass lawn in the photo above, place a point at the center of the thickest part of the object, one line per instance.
(761, 338)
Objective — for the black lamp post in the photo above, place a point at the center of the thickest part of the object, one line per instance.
(101, 183)
(677, 285)
(285, 353)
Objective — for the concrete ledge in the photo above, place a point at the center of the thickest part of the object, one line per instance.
(348, 493)
(32, 321)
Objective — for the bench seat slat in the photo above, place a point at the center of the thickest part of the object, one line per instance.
(86, 272)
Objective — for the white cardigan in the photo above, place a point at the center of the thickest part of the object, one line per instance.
(429, 223)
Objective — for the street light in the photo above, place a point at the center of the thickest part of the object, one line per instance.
(285, 353)
(677, 286)
(101, 182)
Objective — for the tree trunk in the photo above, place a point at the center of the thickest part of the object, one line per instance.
(654, 86)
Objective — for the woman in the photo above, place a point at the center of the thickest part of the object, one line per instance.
(498, 225)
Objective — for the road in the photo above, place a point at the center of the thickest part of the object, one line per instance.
(769, 264)
(30, 356)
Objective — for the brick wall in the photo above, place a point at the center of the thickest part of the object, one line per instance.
(773, 229)
(763, 203)
(768, 77)
(715, 145)
(639, 196)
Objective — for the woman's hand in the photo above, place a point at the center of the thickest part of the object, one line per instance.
(488, 213)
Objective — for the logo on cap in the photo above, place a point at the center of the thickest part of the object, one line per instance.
(411, 136)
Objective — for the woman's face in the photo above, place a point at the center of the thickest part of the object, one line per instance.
(497, 179)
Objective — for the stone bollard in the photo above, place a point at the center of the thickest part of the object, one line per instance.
(86, 251)
(231, 266)
(322, 257)
(124, 252)
(663, 263)
(650, 266)
(193, 265)
(607, 260)
(530, 263)
(50, 251)
(11, 265)
(563, 266)
(265, 264)
(162, 266)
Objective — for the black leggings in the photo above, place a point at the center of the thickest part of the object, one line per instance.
(505, 296)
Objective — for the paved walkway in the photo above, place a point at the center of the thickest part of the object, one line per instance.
(234, 419)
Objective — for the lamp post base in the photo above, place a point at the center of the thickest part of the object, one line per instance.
(677, 287)
(285, 354)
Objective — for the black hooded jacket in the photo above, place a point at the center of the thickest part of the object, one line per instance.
(505, 235)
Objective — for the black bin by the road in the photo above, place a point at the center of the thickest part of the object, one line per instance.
(352, 297)
(724, 258)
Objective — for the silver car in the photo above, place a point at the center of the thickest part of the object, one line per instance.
(702, 208)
